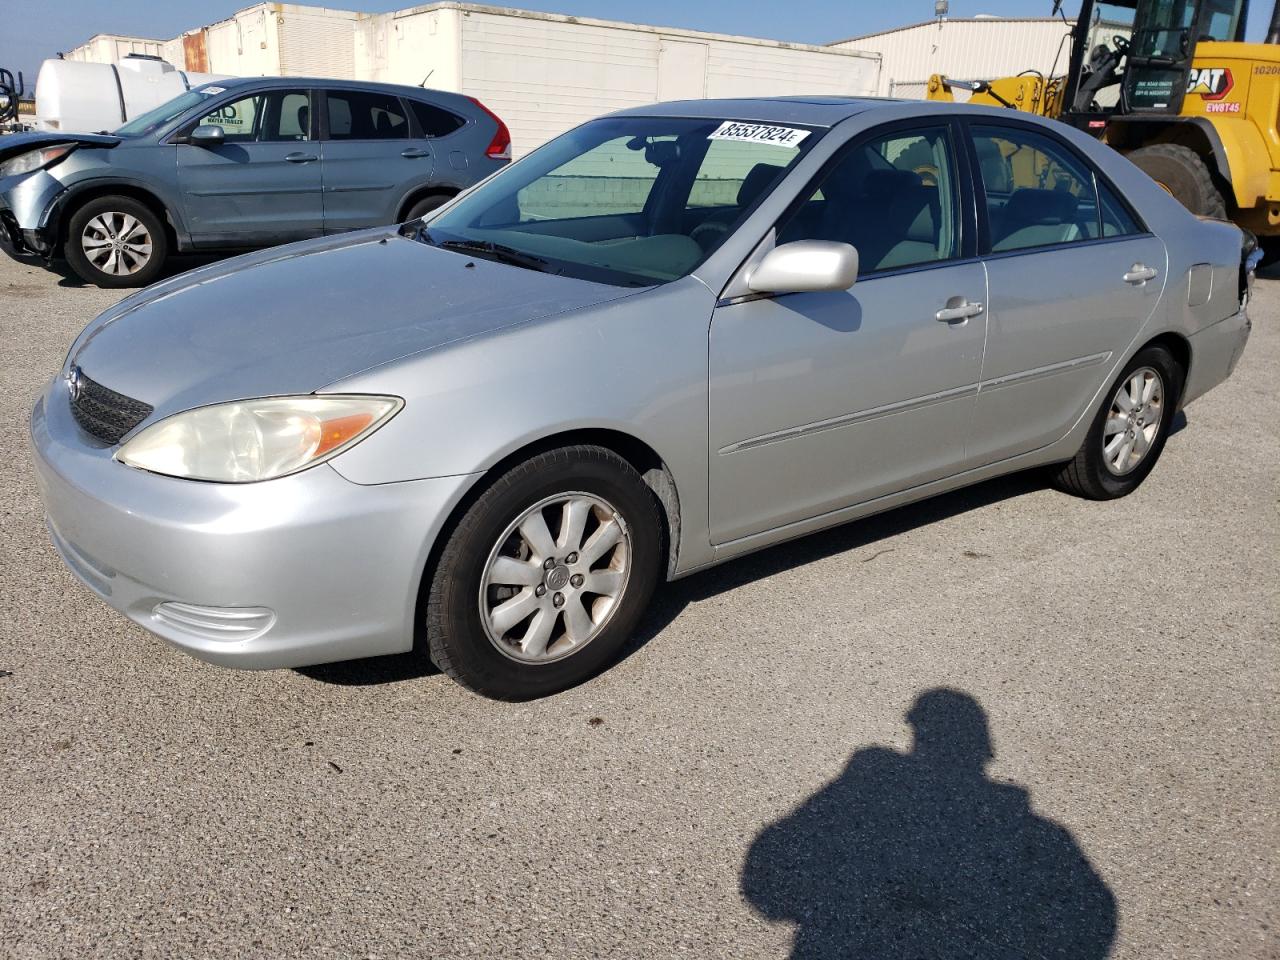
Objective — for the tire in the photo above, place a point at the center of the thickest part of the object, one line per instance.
(1088, 474)
(107, 219)
(1182, 172)
(475, 647)
(428, 203)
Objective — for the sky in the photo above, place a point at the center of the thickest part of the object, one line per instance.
(32, 30)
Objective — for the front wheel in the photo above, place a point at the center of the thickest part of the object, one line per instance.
(546, 575)
(1129, 430)
(116, 242)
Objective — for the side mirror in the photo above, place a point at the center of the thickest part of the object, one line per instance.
(208, 135)
(806, 266)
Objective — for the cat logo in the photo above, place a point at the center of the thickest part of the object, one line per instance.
(1212, 83)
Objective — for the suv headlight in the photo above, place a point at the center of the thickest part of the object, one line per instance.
(253, 440)
(34, 160)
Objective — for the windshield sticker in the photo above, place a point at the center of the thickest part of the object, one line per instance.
(212, 90)
(759, 133)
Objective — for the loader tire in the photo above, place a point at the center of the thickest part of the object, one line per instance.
(1182, 172)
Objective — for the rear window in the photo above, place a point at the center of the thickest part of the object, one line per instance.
(434, 121)
(357, 115)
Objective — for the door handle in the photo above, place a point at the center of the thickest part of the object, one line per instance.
(1139, 274)
(414, 153)
(958, 308)
(300, 157)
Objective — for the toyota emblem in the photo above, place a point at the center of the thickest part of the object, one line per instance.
(75, 383)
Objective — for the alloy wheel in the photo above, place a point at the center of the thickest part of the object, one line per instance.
(544, 596)
(1133, 422)
(116, 243)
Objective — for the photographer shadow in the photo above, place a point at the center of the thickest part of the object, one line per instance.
(920, 854)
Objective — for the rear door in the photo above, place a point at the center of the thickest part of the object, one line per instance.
(1072, 277)
(372, 158)
(261, 185)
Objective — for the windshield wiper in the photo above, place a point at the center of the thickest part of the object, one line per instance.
(497, 251)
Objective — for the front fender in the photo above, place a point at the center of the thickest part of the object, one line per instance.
(635, 365)
(77, 190)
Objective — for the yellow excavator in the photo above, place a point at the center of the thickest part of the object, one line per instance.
(1172, 85)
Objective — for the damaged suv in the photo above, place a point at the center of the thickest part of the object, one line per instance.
(241, 164)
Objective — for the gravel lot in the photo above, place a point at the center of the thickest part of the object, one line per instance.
(739, 786)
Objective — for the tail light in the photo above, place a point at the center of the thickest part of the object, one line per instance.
(499, 147)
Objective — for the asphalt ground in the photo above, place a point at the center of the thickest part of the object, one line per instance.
(743, 784)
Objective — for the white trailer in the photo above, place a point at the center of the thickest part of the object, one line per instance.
(113, 47)
(545, 73)
(271, 39)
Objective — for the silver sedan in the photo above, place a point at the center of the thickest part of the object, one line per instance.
(670, 337)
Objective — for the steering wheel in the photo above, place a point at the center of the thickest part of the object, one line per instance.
(711, 231)
(1121, 43)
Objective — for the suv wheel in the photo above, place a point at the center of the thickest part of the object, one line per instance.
(116, 242)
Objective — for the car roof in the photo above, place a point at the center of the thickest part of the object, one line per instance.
(814, 111)
(396, 89)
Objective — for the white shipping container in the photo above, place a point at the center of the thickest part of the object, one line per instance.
(982, 48)
(112, 48)
(545, 73)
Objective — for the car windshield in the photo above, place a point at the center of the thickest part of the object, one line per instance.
(624, 200)
(167, 112)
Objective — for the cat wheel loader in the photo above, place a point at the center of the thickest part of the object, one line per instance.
(1172, 85)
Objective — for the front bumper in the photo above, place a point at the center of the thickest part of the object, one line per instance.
(306, 569)
(25, 204)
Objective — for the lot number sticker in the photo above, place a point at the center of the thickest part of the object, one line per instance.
(759, 133)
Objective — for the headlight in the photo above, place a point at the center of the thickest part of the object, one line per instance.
(34, 160)
(256, 439)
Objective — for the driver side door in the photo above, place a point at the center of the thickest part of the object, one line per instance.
(819, 401)
(261, 185)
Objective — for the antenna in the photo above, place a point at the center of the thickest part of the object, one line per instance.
(427, 77)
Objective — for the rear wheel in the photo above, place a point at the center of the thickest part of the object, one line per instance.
(428, 203)
(116, 242)
(1128, 432)
(1182, 172)
(546, 575)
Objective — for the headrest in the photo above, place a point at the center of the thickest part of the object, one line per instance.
(889, 183)
(304, 120)
(756, 182)
(1029, 207)
(382, 123)
(913, 212)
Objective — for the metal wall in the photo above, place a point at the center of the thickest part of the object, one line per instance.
(977, 49)
(112, 48)
(544, 73)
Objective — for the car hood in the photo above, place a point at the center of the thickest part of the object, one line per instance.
(17, 143)
(294, 319)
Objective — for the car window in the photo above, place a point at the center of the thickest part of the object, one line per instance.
(1039, 193)
(238, 119)
(434, 121)
(628, 200)
(357, 115)
(1116, 219)
(290, 116)
(280, 115)
(732, 173)
(893, 198)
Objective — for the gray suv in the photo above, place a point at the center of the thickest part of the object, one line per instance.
(240, 164)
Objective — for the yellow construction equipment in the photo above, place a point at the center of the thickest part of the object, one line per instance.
(1172, 85)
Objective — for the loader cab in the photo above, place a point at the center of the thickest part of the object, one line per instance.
(1134, 56)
